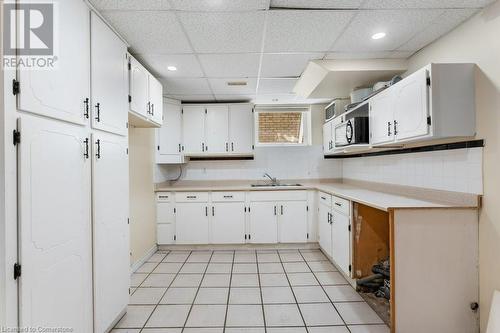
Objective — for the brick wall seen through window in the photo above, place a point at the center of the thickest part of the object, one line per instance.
(280, 127)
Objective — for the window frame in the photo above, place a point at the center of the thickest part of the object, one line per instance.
(306, 126)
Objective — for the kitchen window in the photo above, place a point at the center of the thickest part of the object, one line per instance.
(282, 126)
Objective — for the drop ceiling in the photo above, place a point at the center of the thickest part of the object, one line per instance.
(268, 43)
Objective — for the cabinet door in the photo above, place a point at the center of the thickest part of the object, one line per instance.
(62, 92)
(139, 88)
(156, 99)
(382, 118)
(228, 223)
(325, 229)
(263, 222)
(327, 138)
(191, 223)
(168, 136)
(165, 234)
(341, 244)
(292, 221)
(241, 129)
(55, 236)
(193, 129)
(411, 106)
(111, 230)
(216, 129)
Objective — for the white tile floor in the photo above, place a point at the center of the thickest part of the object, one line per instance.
(268, 291)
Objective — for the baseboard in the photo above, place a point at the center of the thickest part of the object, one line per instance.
(141, 261)
(117, 319)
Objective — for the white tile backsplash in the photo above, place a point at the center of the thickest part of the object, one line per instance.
(281, 162)
(450, 170)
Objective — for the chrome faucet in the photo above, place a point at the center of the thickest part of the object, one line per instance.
(274, 181)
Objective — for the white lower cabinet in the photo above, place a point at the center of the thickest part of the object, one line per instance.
(292, 222)
(341, 244)
(263, 226)
(165, 218)
(191, 222)
(227, 223)
(324, 219)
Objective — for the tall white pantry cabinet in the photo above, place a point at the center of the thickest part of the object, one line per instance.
(73, 201)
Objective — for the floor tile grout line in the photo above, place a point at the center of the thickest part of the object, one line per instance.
(260, 291)
(197, 291)
(322, 287)
(148, 274)
(169, 285)
(229, 293)
(293, 293)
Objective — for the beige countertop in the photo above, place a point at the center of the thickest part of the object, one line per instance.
(380, 196)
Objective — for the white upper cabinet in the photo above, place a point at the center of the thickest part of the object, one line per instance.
(139, 95)
(64, 92)
(169, 135)
(241, 127)
(216, 128)
(411, 106)
(109, 79)
(145, 96)
(193, 128)
(381, 118)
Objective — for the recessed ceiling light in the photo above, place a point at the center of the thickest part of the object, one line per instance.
(378, 35)
(172, 68)
(236, 83)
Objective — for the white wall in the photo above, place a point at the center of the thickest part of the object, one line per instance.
(452, 170)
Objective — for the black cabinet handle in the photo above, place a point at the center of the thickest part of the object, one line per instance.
(98, 143)
(228, 197)
(388, 128)
(281, 209)
(98, 109)
(274, 210)
(86, 108)
(213, 211)
(149, 108)
(206, 211)
(227, 146)
(395, 127)
(152, 109)
(338, 204)
(179, 147)
(202, 146)
(191, 197)
(232, 146)
(86, 153)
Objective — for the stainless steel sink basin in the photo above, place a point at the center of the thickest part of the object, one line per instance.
(274, 185)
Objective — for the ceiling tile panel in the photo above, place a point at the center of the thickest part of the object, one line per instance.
(276, 86)
(446, 22)
(221, 87)
(224, 32)
(193, 98)
(150, 32)
(304, 30)
(400, 27)
(408, 4)
(187, 64)
(370, 55)
(220, 5)
(286, 64)
(317, 4)
(177, 86)
(131, 4)
(235, 98)
(230, 65)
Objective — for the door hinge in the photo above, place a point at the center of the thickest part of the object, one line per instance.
(16, 87)
(253, 147)
(206, 111)
(349, 228)
(129, 291)
(175, 237)
(429, 81)
(175, 210)
(16, 137)
(128, 220)
(126, 124)
(127, 151)
(307, 208)
(245, 209)
(17, 271)
(245, 236)
(129, 99)
(158, 148)
(129, 66)
(249, 236)
(350, 268)
(249, 209)
(429, 120)
(182, 111)
(307, 235)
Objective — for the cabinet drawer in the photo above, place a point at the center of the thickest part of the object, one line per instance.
(191, 197)
(325, 199)
(228, 196)
(278, 195)
(342, 205)
(163, 196)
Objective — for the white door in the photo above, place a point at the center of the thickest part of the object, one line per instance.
(382, 118)
(193, 129)
(325, 229)
(411, 106)
(55, 235)
(263, 222)
(191, 223)
(139, 88)
(216, 129)
(169, 136)
(156, 98)
(241, 129)
(341, 244)
(62, 93)
(228, 223)
(109, 79)
(110, 198)
(327, 138)
(292, 222)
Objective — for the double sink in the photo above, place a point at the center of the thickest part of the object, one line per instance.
(275, 185)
